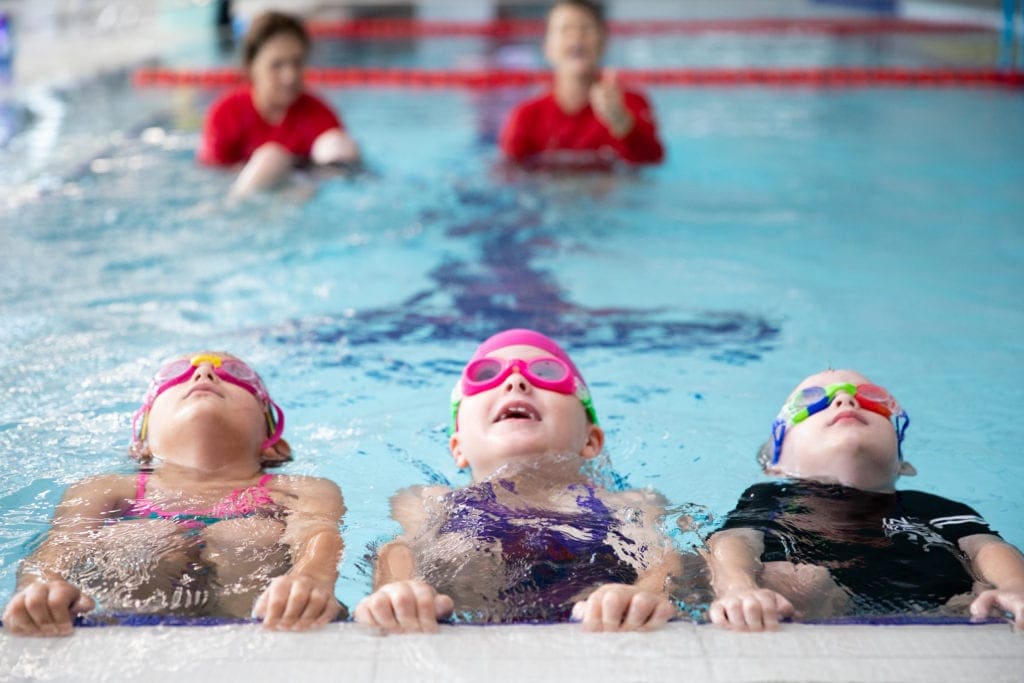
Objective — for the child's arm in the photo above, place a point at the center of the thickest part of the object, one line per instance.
(304, 597)
(44, 603)
(734, 559)
(401, 603)
(1001, 565)
(643, 605)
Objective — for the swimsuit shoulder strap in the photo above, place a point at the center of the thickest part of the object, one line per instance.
(140, 486)
(247, 500)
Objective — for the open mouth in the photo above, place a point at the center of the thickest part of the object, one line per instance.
(517, 411)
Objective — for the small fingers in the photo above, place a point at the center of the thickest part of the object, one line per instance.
(17, 620)
(59, 604)
(734, 614)
(40, 621)
(298, 598)
(426, 612)
(404, 607)
(998, 602)
(641, 611)
(274, 602)
(753, 613)
(443, 606)
(375, 610)
(717, 615)
(320, 608)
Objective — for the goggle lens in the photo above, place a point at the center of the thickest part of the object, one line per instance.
(240, 370)
(174, 368)
(483, 370)
(549, 369)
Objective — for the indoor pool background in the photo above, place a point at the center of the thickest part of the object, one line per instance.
(789, 230)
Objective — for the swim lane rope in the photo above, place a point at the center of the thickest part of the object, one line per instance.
(406, 28)
(822, 77)
(828, 77)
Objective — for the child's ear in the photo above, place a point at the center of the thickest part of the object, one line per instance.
(907, 470)
(280, 452)
(456, 448)
(140, 451)
(594, 444)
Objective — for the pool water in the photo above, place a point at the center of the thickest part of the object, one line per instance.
(789, 230)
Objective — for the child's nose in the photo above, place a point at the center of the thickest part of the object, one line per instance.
(204, 371)
(516, 382)
(844, 399)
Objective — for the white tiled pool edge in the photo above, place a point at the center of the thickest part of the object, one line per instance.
(681, 651)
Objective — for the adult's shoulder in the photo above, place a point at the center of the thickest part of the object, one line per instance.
(536, 103)
(240, 96)
(313, 103)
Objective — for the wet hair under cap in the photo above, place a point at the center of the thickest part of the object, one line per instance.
(268, 25)
(594, 9)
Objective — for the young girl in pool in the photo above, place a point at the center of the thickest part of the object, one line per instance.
(531, 538)
(202, 529)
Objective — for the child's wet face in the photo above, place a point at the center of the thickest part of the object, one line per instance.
(516, 419)
(574, 41)
(205, 401)
(844, 442)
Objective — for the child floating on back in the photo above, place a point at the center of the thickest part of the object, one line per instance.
(202, 529)
(532, 538)
(588, 118)
(835, 537)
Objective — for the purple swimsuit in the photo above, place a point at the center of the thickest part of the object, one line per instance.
(548, 556)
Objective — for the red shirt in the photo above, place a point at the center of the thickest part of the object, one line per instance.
(539, 126)
(234, 129)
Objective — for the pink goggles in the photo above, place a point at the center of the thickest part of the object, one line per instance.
(546, 372)
(230, 370)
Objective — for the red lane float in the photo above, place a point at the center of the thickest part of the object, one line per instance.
(833, 77)
(410, 28)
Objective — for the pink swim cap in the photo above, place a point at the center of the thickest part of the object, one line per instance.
(517, 337)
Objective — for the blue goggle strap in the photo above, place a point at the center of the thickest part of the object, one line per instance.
(778, 434)
(902, 422)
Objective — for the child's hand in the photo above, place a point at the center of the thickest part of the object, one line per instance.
(609, 104)
(997, 602)
(45, 608)
(621, 607)
(296, 603)
(404, 607)
(750, 609)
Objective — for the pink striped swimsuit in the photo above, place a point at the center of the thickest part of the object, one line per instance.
(237, 504)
